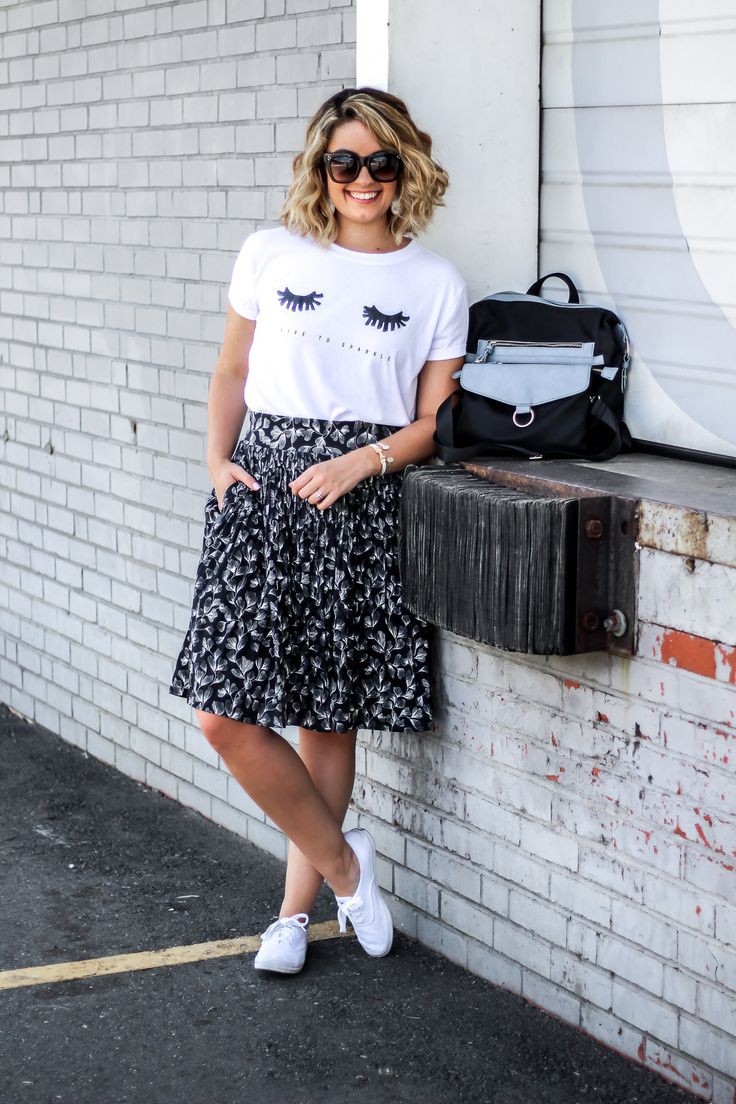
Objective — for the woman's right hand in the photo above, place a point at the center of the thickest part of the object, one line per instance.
(228, 473)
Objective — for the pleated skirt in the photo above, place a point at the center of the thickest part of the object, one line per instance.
(297, 614)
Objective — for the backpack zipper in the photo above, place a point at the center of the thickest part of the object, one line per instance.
(482, 357)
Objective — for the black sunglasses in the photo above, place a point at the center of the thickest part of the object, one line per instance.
(344, 165)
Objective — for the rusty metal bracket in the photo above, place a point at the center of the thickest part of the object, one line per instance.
(605, 572)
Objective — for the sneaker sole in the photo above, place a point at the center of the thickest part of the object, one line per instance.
(280, 969)
(275, 968)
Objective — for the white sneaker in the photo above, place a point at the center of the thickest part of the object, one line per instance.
(366, 909)
(284, 945)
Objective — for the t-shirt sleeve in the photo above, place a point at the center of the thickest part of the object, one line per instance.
(242, 291)
(451, 335)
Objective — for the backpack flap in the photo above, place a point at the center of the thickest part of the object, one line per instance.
(527, 375)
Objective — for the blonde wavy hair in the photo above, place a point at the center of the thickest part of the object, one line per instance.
(421, 185)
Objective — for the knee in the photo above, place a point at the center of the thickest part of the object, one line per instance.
(221, 732)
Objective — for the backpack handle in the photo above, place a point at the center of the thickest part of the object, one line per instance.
(536, 287)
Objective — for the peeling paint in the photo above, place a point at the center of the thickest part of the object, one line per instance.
(690, 653)
(726, 657)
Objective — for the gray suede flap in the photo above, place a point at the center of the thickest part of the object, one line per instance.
(527, 383)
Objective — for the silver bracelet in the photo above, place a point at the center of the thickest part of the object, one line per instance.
(379, 447)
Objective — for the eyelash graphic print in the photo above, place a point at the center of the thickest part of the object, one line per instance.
(299, 302)
(374, 317)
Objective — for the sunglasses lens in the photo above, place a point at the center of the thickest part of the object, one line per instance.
(343, 168)
(384, 166)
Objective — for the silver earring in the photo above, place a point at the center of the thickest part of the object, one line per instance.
(395, 207)
(331, 205)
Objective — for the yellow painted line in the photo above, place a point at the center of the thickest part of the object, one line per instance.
(149, 960)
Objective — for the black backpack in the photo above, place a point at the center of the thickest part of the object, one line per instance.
(541, 380)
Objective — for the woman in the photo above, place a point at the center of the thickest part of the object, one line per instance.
(342, 333)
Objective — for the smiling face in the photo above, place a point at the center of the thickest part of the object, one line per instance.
(364, 200)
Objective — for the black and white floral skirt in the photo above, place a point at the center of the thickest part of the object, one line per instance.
(297, 616)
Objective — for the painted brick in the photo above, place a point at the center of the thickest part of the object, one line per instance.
(518, 945)
(275, 35)
(515, 867)
(681, 1071)
(708, 872)
(297, 68)
(188, 15)
(685, 593)
(229, 818)
(539, 917)
(599, 867)
(256, 71)
(549, 996)
(494, 967)
(442, 939)
(546, 844)
(468, 843)
(587, 981)
(337, 64)
(238, 10)
(467, 918)
(717, 1008)
(723, 1091)
(680, 989)
(491, 818)
(630, 962)
(319, 30)
(582, 939)
(463, 879)
(645, 1012)
(417, 890)
(713, 1047)
(614, 1032)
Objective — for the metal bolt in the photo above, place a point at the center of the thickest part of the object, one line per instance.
(615, 623)
(590, 621)
(594, 529)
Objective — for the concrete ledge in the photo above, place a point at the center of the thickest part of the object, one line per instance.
(687, 508)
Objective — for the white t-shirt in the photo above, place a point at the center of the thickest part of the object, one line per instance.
(343, 335)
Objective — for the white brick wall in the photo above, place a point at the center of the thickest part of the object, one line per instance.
(140, 142)
(568, 829)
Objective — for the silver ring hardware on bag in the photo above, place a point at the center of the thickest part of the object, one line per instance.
(522, 410)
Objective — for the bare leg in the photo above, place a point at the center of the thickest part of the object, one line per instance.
(272, 773)
(330, 760)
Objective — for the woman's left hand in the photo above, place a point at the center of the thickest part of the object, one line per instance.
(322, 484)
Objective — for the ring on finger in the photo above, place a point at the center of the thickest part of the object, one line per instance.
(319, 495)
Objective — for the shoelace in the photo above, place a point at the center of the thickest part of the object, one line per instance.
(285, 928)
(346, 908)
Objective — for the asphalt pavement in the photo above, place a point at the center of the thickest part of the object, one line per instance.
(94, 865)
